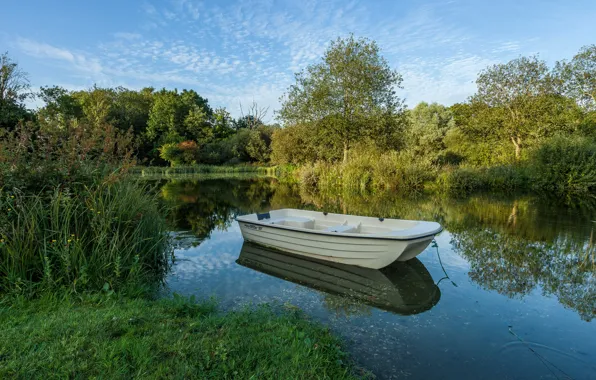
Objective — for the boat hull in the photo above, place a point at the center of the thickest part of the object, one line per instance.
(367, 252)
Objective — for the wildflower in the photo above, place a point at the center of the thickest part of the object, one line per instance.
(12, 196)
(69, 240)
(99, 212)
(72, 235)
(53, 241)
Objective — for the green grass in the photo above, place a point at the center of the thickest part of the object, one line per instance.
(110, 235)
(166, 339)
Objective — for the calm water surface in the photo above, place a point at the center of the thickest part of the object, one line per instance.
(509, 291)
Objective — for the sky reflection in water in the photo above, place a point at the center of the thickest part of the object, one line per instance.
(520, 266)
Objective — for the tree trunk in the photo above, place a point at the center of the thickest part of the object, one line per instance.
(517, 143)
(346, 152)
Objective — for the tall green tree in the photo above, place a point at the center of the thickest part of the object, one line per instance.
(14, 90)
(60, 107)
(130, 109)
(516, 91)
(97, 104)
(578, 77)
(428, 125)
(347, 97)
(223, 124)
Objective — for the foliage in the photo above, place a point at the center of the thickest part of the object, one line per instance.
(183, 153)
(60, 107)
(368, 172)
(577, 78)
(520, 97)
(33, 159)
(105, 234)
(14, 90)
(428, 125)
(175, 117)
(299, 144)
(463, 181)
(565, 165)
(178, 338)
(348, 97)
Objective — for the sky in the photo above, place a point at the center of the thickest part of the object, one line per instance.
(237, 52)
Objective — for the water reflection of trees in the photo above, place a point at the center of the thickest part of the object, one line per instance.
(514, 246)
(204, 206)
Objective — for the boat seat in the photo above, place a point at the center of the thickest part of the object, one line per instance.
(342, 228)
(294, 221)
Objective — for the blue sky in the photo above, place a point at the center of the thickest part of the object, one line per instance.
(238, 51)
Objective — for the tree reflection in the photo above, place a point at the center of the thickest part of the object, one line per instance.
(204, 206)
(514, 246)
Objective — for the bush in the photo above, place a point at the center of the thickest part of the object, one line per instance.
(33, 159)
(369, 171)
(178, 154)
(564, 165)
(466, 180)
(111, 234)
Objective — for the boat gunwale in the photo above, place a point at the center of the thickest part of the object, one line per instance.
(343, 234)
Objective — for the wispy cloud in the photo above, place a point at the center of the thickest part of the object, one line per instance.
(249, 49)
(128, 36)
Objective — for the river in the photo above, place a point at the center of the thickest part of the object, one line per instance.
(507, 291)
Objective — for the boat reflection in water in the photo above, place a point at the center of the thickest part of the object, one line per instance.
(403, 287)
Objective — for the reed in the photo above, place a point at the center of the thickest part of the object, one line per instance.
(109, 235)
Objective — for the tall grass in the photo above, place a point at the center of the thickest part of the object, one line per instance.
(108, 235)
(369, 171)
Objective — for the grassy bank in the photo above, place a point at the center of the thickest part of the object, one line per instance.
(162, 339)
(110, 235)
(561, 166)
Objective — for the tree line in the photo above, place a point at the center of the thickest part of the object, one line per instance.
(349, 99)
(168, 126)
(338, 108)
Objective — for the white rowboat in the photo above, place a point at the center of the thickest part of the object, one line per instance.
(348, 239)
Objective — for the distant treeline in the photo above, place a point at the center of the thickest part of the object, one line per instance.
(342, 110)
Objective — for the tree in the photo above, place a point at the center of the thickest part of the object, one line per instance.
(131, 109)
(253, 118)
(428, 125)
(14, 90)
(511, 90)
(223, 124)
(578, 77)
(175, 117)
(97, 105)
(349, 96)
(197, 125)
(60, 107)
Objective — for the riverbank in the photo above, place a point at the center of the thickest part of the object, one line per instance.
(559, 166)
(170, 338)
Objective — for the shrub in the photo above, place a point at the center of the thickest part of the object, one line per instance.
(111, 234)
(466, 180)
(33, 159)
(369, 171)
(564, 165)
